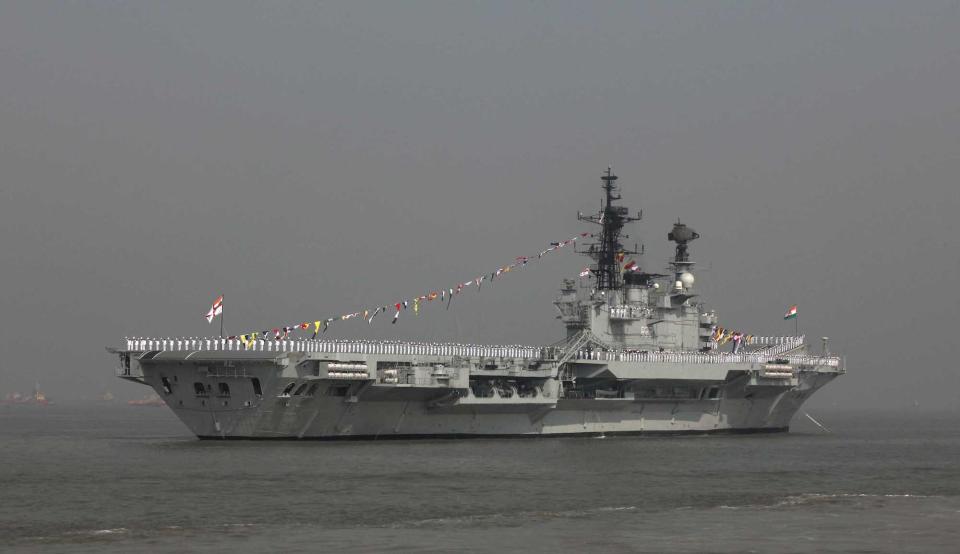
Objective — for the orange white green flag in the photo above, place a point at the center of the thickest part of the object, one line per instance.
(791, 312)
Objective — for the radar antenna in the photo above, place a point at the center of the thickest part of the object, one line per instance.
(681, 234)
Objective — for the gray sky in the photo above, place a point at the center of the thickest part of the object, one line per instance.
(308, 160)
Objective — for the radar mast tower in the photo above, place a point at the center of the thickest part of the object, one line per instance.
(608, 252)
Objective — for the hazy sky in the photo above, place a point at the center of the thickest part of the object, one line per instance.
(310, 159)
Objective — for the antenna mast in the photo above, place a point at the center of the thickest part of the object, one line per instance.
(609, 252)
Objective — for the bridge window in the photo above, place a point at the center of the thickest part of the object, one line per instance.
(312, 390)
(300, 389)
(288, 388)
(167, 388)
(256, 386)
(714, 393)
(223, 389)
(338, 391)
(199, 389)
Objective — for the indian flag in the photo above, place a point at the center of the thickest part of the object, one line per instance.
(791, 313)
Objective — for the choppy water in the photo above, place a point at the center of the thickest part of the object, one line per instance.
(132, 479)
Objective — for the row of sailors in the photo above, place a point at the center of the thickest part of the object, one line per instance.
(623, 312)
(366, 346)
(700, 358)
(775, 340)
(336, 347)
(688, 357)
(450, 349)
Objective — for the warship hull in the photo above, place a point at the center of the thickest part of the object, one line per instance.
(233, 395)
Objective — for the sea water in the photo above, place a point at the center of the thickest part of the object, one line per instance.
(120, 479)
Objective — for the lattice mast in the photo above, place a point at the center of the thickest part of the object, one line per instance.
(608, 252)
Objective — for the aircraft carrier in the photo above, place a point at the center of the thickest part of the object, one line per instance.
(641, 355)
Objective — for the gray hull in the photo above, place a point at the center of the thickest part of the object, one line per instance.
(227, 397)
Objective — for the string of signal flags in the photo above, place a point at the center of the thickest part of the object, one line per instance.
(414, 302)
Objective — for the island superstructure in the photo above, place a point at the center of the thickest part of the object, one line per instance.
(642, 354)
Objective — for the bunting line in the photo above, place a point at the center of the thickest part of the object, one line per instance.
(321, 325)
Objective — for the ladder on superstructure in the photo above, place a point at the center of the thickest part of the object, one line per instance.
(573, 345)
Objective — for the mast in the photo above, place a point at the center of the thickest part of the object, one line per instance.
(608, 252)
(682, 266)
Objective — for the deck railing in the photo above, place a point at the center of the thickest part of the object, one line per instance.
(709, 358)
(335, 347)
(781, 346)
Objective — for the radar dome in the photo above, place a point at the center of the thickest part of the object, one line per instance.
(687, 279)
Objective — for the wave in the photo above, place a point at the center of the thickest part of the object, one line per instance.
(805, 499)
(510, 518)
(116, 531)
(811, 498)
(124, 533)
(499, 519)
(523, 517)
